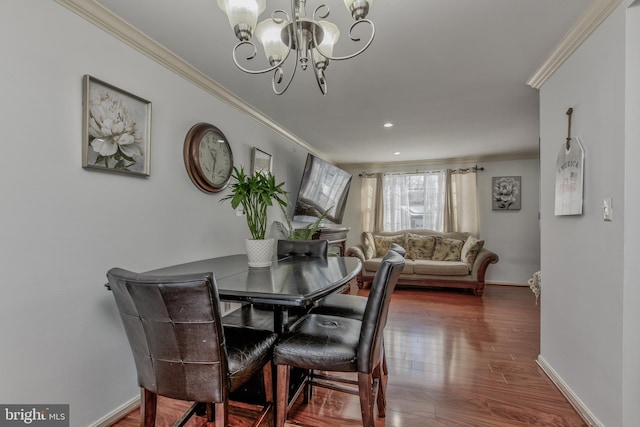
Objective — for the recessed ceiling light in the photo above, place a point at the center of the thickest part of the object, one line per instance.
(396, 153)
(388, 125)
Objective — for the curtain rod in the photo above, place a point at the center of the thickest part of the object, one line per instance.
(475, 168)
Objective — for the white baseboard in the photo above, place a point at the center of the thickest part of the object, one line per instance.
(573, 399)
(117, 413)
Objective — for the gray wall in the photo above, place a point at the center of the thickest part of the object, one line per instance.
(62, 226)
(513, 235)
(583, 283)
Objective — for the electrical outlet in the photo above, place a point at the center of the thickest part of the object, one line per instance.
(607, 210)
(239, 211)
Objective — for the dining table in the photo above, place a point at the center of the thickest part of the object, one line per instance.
(290, 283)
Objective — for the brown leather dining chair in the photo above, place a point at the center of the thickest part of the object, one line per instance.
(180, 348)
(351, 306)
(321, 342)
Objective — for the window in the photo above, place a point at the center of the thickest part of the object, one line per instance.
(414, 200)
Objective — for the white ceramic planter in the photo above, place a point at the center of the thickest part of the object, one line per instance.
(260, 252)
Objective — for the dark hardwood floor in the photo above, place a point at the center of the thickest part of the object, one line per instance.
(454, 360)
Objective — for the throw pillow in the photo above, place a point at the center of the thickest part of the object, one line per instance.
(420, 247)
(470, 250)
(447, 249)
(383, 242)
(368, 245)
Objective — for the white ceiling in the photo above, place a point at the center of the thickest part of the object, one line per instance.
(450, 74)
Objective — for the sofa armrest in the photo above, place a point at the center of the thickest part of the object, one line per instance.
(358, 252)
(484, 258)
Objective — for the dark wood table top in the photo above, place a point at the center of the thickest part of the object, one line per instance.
(289, 282)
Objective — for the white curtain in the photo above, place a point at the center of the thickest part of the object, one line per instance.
(461, 207)
(368, 197)
(413, 201)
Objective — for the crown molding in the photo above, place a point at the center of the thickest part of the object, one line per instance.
(597, 12)
(449, 161)
(128, 34)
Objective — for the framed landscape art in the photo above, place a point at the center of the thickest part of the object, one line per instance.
(116, 129)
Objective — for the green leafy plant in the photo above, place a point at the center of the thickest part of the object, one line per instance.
(304, 233)
(255, 193)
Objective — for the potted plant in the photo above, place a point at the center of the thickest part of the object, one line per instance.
(304, 233)
(255, 193)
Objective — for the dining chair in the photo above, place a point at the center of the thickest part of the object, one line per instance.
(180, 348)
(351, 306)
(321, 342)
(309, 248)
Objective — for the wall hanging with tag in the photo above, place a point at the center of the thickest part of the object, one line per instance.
(569, 175)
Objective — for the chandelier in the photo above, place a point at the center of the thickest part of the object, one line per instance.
(312, 39)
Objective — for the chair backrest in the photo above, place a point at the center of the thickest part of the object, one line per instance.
(375, 313)
(175, 333)
(308, 248)
(398, 249)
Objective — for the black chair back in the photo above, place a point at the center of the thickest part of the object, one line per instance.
(398, 249)
(174, 329)
(375, 314)
(308, 248)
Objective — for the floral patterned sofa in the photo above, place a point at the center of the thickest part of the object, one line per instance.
(433, 259)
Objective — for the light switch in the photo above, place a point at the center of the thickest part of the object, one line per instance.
(607, 210)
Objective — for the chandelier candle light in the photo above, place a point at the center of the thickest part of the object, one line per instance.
(312, 39)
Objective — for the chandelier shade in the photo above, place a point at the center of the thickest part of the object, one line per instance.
(311, 38)
(243, 15)
(269, 34)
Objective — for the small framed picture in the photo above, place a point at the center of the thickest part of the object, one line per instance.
(506, 193)
(116, 129)
(260, 161)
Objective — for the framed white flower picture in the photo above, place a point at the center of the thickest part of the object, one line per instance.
(506, 193)
(116, 129)
(260, 161)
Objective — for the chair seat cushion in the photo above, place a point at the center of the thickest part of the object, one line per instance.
(247, 352)
(351, 306)
(321, 342)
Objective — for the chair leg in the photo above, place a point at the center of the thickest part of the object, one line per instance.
(381, 390)
(267, 377)
(222, 415)
(267, 374)
(385, 369)
(148, 408)
(282, 395)
(365, 386)
(211, 412)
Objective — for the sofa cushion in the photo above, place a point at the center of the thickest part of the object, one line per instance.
(372, 265)
(420, 247)
(470, 250)
(440, 268)
(447, 249)
(383, 242)
(368, 245)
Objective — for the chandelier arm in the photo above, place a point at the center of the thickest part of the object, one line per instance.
(319, 16)
(278, 76)
(280, 20)
(355, 39)
(266, 70)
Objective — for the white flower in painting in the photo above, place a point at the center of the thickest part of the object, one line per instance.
(113, 133)
(505, 192)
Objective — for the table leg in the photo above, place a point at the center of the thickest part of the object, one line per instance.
(280, 320)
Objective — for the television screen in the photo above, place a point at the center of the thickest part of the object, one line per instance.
(324, 189)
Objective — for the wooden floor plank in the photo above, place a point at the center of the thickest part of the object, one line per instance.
(454, 360)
